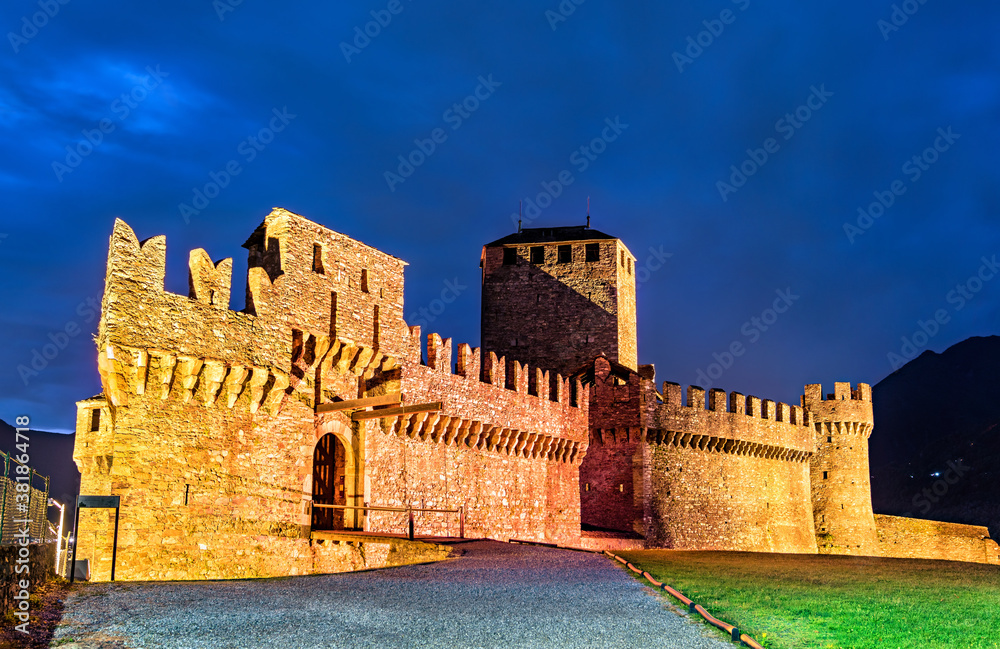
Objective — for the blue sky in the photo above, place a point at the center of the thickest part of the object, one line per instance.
(170, 95)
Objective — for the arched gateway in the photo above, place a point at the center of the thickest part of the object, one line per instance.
(329, 483)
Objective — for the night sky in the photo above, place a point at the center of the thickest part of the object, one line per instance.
(727, 143)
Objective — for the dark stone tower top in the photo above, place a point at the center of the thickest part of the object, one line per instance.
(551, 235)
(558, 297)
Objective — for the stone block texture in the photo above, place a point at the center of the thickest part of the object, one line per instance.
(38, 569)
(841, 483)
(912, 538)
(556, 298)
(208, 426)
(730, 477)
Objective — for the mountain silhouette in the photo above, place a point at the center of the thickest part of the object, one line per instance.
(51, 454)
(935, 449)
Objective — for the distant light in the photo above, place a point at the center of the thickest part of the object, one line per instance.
(936, 474)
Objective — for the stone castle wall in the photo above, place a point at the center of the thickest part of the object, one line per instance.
(509, 453)
(208, 426)
(728, 478)
(611, 495)
(911, 538)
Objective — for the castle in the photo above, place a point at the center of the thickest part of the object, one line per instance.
(255, 442)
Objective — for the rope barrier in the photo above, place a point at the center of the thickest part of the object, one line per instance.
(730, 629)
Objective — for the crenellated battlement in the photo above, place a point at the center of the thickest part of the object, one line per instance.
(300, 275)
(472, 365)
(844, 404)
(492, 406)
(842, 391)
(141, 264)
(210, 282)
(141, 268)
(737, 404)
(734, 417)
(137, 311)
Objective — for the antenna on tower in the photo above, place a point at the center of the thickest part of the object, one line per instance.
(519, 203)
(588, 211)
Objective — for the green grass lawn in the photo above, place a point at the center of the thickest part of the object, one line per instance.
(789, 600)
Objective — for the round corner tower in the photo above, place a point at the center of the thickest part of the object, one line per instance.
(841, 483)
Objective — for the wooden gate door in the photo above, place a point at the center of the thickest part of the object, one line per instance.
(329, 461)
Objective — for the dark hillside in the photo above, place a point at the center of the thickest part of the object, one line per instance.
(935, 450)
(52, 455)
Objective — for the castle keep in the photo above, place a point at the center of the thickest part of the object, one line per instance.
(240, 442)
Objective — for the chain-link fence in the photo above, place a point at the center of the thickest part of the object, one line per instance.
(23, 503)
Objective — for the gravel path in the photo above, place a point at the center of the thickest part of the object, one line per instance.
(495, 595)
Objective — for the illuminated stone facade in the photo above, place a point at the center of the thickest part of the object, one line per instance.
(221, 432)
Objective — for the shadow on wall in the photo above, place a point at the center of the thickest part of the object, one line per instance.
(535, 318)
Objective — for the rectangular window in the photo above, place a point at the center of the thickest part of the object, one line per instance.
(364, 280)
(95, 419)
(623, 258)
(826, 474)
(538, 255)
(593, 252)
(509, 256)
(317, 258)
(565, 254)
(629, 261)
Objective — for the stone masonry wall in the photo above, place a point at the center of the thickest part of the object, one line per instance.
(207, 426)
(317, 280)
(710, 501)
(206, 492)
(611, 496)
(911, 538)
(839, 474)
(558, 316)
(40, 568)
(628, 337)
(510, 456)
(609, 476)
(733, 478)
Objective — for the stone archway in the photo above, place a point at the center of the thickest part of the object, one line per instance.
(334, 478)
(329, 486)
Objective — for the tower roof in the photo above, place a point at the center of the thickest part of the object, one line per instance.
(551, 235)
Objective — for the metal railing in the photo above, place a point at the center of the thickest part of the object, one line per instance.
(409, 512)
(13, 513)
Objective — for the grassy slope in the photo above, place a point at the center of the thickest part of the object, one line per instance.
(835, 601)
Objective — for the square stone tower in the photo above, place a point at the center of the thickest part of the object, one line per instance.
(558, 297)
